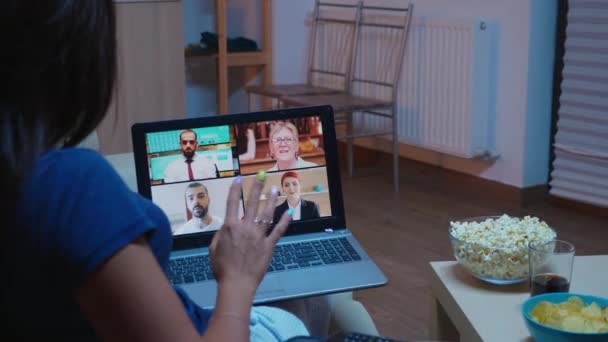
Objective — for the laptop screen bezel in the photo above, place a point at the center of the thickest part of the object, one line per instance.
(335, 221)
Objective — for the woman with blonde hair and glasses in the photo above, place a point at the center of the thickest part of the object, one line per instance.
(284, 146)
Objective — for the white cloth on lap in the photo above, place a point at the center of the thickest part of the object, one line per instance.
(269, 324)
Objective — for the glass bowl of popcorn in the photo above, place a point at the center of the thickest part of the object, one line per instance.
(495, 248)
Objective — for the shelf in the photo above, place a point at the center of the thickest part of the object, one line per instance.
(247, 59)
(317, 153)
(225, 60)
(234, 59)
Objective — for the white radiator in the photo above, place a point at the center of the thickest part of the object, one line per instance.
(446, 97)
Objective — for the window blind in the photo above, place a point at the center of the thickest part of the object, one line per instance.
(580, 168)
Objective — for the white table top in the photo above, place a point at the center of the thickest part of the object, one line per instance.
(489, 312)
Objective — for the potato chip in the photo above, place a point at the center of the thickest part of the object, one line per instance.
(572, 315)
(570, 307)
(542, 311)
(599, 326)
(592, 311)
(576, 300)
(573, 323)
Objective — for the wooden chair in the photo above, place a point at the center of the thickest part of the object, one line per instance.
(380, 49)
(333, 34)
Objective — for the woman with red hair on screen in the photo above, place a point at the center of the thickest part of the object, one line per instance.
(301, 208)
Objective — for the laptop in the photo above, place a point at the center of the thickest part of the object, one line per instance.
(186, 168)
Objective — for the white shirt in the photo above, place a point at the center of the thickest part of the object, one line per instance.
(193, 226)
(177, 170)
(297, 210)
(300, 163)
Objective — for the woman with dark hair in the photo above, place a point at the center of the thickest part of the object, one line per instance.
(82, 256)
(301, 209)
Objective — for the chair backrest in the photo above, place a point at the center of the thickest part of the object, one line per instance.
(333, 40)
(379, 51)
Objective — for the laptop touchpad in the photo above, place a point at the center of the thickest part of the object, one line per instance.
(268, 285)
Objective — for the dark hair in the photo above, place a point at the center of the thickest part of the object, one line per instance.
(197, 185)
(188, 131)
(57, 72)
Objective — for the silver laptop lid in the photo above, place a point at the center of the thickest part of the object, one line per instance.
(186, 168)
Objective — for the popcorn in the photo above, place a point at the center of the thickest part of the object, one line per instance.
(498, 248)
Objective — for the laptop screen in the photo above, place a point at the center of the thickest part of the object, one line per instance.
(190, 169)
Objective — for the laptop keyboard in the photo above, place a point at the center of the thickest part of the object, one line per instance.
(286, 257)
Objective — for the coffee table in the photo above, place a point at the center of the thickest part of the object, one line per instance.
(468, 309)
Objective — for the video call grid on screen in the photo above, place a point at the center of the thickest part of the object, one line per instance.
(191, 170)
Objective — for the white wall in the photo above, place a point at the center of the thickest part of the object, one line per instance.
(291, 39)
(540, 78)
(522, 126)
(201, 75)
(512, 18)
(199, 16)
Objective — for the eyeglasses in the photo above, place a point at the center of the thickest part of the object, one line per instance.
(287, 141)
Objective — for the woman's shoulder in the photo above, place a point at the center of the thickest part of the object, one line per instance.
(304, 163)
(282, 206)
(305, 203)
(67, 157)
(73, 164)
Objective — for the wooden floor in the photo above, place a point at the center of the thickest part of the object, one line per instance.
(404, 232)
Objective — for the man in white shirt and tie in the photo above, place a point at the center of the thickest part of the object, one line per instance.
(189, 166)
(197, 201)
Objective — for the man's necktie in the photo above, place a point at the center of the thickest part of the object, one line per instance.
(190, 174)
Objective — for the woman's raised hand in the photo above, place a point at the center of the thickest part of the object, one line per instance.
(241, 250)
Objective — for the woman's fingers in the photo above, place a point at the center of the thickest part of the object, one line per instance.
(268, 212)
(254, 197)
(280, 228)
(234, 200)
(214, 242)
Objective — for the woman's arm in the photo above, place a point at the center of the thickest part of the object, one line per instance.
(250, 144)
(250, 153)
(129, 298)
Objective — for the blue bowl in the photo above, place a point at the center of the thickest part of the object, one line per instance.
(545, 333)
